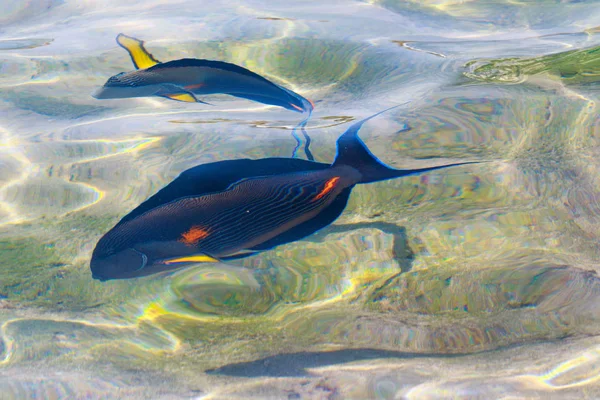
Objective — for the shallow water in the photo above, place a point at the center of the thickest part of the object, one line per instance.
(477, 281)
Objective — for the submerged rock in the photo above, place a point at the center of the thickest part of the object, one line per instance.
(292, 275)
(451, 312)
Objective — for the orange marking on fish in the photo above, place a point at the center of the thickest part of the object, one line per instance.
(193, 235)
(311, 103)
(196, 86)
(296, 107)
(329, 185)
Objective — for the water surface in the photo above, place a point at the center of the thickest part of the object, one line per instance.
(478, 281)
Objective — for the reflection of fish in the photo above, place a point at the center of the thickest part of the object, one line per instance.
(182, 80)
(232, 209)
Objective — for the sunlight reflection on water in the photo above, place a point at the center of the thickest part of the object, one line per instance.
(477, 281)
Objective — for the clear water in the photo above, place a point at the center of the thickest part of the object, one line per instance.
(475, 282)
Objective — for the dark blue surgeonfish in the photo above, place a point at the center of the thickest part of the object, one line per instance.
(183, 79)
(231, 209)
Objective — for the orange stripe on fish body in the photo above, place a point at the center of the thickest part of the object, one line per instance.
(296, 107)
(196, 86)
(329, 185)
(193, 235)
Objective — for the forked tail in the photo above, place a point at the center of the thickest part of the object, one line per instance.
(352, 151)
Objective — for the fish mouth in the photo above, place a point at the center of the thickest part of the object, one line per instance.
(109, 92)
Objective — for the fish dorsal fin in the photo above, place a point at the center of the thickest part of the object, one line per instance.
(139, 55)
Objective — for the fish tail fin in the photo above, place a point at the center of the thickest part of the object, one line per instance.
(352, 151)
(140, 57)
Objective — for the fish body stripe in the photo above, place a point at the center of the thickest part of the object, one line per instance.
(329, 185)
(195, 86)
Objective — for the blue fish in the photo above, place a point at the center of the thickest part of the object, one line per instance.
(236, 208)
(183, 80)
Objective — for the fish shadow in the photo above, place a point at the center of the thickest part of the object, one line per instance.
(401, 250)
(295, 364)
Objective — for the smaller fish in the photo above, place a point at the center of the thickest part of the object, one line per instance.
(235, 208)
(183, 80)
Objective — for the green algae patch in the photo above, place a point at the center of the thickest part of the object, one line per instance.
(574, 67)
(23, 262)
(47, 266)
(36, 274)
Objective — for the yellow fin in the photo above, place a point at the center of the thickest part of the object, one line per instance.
(139, 55)
(198, 258)
(188, 98)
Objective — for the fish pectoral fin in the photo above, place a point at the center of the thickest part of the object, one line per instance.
(203, 258)
(141, 58)
(200, 258)
(203, 102)
(185, 97)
